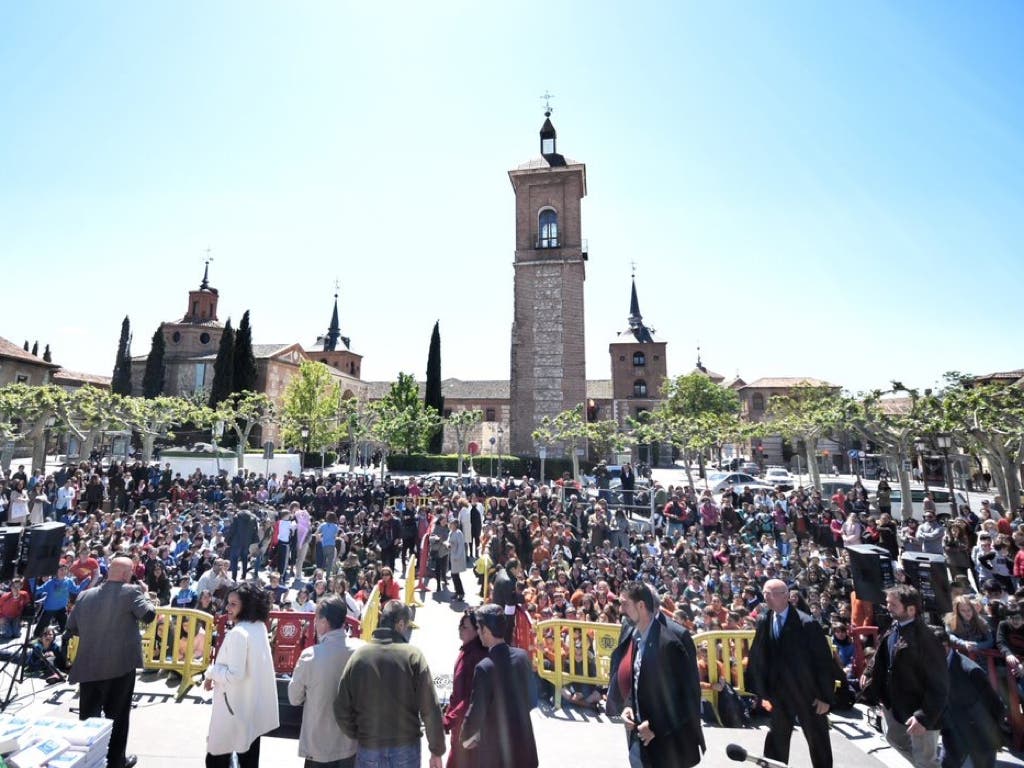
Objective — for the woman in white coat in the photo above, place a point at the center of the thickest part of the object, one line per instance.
(242, 681)
(457, 557)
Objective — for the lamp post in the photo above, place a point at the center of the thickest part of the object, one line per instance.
(215, 433)
(945, 442)
(304, 433)
(492, 442)
(501, 435)
(921, 447)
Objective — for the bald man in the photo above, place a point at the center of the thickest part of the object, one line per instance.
(106, 621)
(791, 666)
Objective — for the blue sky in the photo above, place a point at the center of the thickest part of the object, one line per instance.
(807, 189)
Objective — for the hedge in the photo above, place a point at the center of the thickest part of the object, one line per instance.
(516, 466)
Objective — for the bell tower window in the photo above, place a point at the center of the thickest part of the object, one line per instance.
(639, 388)
(639, 359)
(548, 229)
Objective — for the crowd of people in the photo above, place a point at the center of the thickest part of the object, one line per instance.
(556, 550)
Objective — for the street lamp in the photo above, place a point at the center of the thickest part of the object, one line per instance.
(921, 447)
(945, 442)
(501, 435)
(304, 433)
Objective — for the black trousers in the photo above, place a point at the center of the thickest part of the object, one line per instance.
(780, 731)
(345, 762)
(248, 759)
(45, 617)
(460, 591)
(112, 699)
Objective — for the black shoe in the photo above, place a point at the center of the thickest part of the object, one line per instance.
(130, 761)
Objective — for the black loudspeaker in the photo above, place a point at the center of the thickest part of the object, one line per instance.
(9, 551)
(872, 571)
(41, 547)
(928, 573)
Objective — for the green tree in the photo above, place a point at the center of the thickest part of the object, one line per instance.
(408, 423)
(155, 374)
(568, 429)
(894, 420)
(432, 397)
(988, 419)
(245, 373)
(311, 401)
(224, 367)
(461, 423)
(806, 414)
(47, 357)
(94, 411)
(121, 380)
(694, 394)
(35, 410)
(241, 413)
(157, 417)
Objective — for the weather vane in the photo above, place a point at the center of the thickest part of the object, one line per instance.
(337, 287)
(632, 265)
(547, 103)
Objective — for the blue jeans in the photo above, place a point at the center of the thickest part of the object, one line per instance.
(389, 757)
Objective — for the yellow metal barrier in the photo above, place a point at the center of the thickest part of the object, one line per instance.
(170, 642)
(371, 615)
(580, 652)
(410, 584)
(574, 652)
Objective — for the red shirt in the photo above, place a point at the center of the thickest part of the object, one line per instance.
(80, 569)
(12, 604)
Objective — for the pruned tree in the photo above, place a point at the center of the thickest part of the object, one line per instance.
(462, 423)
(807, 413)
(568, 429)
(241, 413)
(31, 411)
(156, 417)
(94, 411)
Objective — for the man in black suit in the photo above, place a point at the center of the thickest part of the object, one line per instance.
(970, 726)
(909, 675)
(497, 731)
(791, 666)
(503, 593)
(655, 686)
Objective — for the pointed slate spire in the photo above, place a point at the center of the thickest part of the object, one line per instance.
(636, 321)
(206, 276)
(334, 332)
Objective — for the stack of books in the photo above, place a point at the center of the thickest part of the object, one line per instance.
(51, 742)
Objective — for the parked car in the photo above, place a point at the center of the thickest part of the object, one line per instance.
(939, 495)
(779, 477)
(750, 467)
(719, 481)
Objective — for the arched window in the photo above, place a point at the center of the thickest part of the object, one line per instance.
(548, 229)
(757, 402)
(639, 388)
(639, 359)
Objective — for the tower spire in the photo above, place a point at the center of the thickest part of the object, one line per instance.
(641, 332)
(334, 331)
(206, 271)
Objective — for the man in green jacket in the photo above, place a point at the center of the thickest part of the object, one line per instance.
(386, 691)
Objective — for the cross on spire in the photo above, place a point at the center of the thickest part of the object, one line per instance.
(547, 103)
(206, 270)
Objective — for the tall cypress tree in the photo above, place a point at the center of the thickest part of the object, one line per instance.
(224, 367)
(121, 381)
(153, 378)
(47, 357)
(432, 394)
(245, 360)
(26, 345)
(35, 349)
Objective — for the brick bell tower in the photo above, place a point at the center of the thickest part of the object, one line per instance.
(548, 357)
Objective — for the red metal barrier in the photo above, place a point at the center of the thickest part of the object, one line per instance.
(858, 634)
(294, 633)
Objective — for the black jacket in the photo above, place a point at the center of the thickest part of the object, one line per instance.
(668, 692)
(498, 717)
(795, 669)
(971, 723)
(915, 681)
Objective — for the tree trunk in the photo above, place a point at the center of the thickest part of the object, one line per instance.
(812, 464)
(148, 441)
(89, 442)
(1011, 483)
(907, 502)
(689, 471)
(460, 460)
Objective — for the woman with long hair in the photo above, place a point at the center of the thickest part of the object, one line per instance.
(968, 629)
(242, 681)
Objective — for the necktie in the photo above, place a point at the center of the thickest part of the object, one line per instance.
(778, 626)
(894, 639)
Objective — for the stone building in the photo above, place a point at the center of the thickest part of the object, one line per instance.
(20, 367)
(191, 351)
(548, 359)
